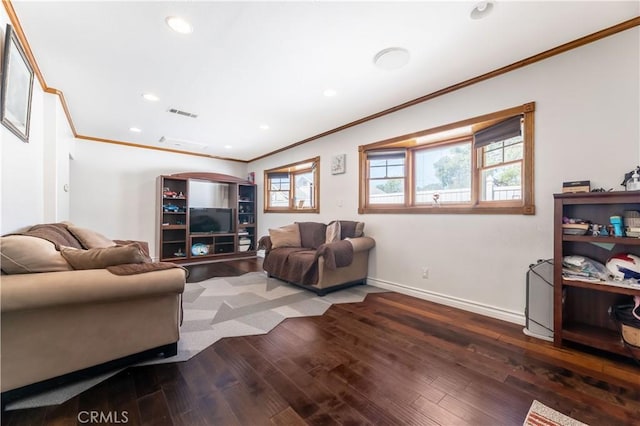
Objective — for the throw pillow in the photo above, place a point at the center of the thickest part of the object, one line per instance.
(23, 254)
(100, 258)
(351, 229)
(333, 232)
(89, 238)
(286, 236)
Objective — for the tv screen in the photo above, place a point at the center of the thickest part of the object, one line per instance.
(210, 220)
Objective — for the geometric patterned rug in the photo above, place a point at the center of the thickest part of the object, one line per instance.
(245, 305)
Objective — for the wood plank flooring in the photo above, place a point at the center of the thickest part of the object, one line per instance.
(390, 360)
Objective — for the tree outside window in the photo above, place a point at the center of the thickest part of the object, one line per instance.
(479, 165)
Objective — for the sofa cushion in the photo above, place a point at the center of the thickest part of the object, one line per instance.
(312, 234)
(23, 254)
(99, 258)
(351, 229)
(285, 236)
(89, 238)
(334, 232)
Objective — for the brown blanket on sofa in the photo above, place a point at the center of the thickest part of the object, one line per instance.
(300, 265)
(337, 254)
(56, 233)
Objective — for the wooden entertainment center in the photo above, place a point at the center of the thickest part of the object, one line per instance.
(581, 308)
(223, 205)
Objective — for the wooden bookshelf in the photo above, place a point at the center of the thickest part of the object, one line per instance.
(581, 308)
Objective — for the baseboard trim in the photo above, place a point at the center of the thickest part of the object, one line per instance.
(454, 302)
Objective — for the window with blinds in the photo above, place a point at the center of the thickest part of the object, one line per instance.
(480, 165)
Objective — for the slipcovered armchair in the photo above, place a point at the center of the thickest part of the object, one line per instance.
(318, 257)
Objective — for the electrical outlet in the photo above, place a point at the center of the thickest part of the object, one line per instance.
(425, 272)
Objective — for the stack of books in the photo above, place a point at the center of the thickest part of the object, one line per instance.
(576, 186)
(575, 228)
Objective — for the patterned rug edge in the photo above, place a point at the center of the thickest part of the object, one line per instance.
(541, 415)
(229, 328)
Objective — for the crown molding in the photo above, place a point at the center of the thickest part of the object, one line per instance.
(615, 29)
(623, 26)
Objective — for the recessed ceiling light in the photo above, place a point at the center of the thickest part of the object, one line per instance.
(330, 93)
(179, 25)
(264, 127)
(135, 129)
(481, 10)
(150, 97)
(391, 58)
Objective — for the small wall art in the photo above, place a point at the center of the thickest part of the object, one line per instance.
(17, 87)
(338, 164)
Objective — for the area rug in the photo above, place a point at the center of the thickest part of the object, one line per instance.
(541, 415)
(245, 305)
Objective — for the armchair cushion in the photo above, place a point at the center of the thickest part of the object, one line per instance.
(312, 234)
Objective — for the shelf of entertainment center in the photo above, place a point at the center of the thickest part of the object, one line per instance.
(232, 204)
(174, 226)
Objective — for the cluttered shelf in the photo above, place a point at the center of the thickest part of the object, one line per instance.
(611, 240)
(611, 287)
(596, 266)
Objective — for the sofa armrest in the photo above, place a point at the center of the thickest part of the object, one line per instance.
(362, 243)
(37, 290)
(264, 243)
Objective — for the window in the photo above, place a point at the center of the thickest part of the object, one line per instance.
(386, 177)
(479, 165)
(293, 188)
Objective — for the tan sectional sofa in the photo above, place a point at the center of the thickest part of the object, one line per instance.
(66, 323)
(318, 257)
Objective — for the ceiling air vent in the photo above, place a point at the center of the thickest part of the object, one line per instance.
(184, 113)
(182, 143)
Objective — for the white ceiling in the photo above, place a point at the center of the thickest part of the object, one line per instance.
(253, 63)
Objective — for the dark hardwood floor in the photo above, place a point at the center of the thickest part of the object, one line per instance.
(390, 360)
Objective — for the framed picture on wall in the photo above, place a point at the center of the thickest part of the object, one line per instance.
(17, 87)
(338, 164)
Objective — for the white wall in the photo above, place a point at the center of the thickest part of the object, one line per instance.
(34, 174)
(586, 127)
(113, 187)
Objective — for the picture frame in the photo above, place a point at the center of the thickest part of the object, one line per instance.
(338, 165)
(17, 87)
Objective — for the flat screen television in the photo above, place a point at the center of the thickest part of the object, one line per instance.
(209, 220)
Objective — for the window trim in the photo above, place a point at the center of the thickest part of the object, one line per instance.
(409, 143)
(291, 170)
